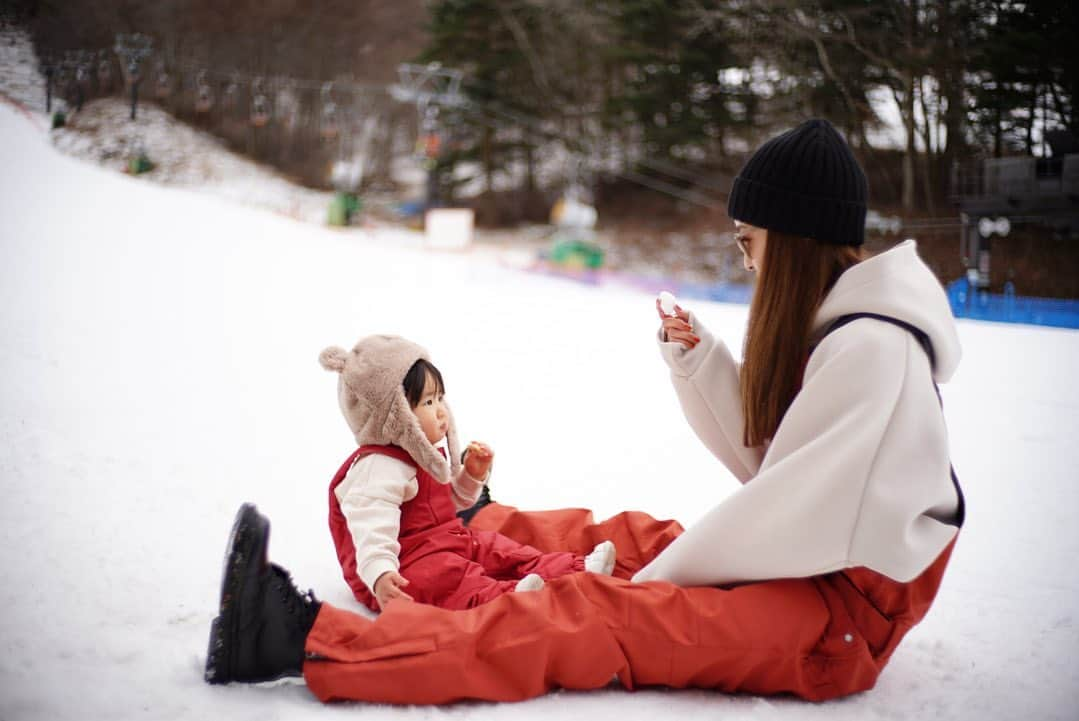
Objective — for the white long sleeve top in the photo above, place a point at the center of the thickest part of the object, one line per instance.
(371, 495)
(858, 473)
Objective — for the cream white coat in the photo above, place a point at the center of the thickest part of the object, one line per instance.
(858, 471)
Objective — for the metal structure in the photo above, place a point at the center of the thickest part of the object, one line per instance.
(260, 104)
(996, 194)
(426, 84)
(49, 70)
(328, 125)
(75, 71)
(133, 49)
(204, 93)
(247, 99)
(430, 88)
(163, 82)
(231, 97)
(287, 105)
(104, 70)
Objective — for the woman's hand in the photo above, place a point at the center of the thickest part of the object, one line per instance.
(389, 586)
(676, 328)
(478, 459)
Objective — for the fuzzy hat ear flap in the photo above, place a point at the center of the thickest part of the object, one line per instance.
(403, 426)
(452, 444)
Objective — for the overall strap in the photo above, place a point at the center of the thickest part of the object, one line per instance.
(392, 451)
(927, 346)
(918, 333)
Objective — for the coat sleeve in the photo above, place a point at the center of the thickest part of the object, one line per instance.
(371, 496)
(798, 516)
(706, 382)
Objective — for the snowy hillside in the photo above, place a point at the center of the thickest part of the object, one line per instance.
(159, 360)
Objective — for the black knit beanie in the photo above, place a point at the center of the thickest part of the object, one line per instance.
(804, 182)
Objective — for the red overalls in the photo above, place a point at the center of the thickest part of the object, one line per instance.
(819, 637)
(446, 563)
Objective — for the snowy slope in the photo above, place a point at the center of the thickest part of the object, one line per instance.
(159, 348)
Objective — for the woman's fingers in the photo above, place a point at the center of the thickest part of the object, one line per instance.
(679, 324)
(687, 338)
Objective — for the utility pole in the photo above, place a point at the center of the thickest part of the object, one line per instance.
(133, 49)
(49, 68)
(430, 88)
(77, 64)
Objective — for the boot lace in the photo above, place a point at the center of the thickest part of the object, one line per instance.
(301, 605)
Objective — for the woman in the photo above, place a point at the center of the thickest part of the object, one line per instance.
(803, 581)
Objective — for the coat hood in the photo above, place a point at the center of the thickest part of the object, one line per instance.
(898, 283)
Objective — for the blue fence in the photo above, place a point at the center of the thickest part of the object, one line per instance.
(1008, 307)
(976, 305)
(1003, 308)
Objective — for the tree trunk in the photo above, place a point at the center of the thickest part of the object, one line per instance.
(998, 134)
(1031, 118)
(487, 153)
(929, 163)
(952, 93)
(907, 110)
(530, 165)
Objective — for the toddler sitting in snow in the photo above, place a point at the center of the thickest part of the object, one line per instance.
(394, 502)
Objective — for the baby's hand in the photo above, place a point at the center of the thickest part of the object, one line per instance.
(478, 459)
(389, 586)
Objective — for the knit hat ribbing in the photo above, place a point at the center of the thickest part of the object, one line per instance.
(805, 182)
(371, 393)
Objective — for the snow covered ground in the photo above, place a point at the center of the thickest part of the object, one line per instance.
(158, 350)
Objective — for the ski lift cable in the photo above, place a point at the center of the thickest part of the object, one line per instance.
(656, 184)
(640, 179)
(298, 83)
(654, 164)
(236, 78)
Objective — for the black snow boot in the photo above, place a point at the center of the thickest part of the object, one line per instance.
(466, 514)
(263, 620)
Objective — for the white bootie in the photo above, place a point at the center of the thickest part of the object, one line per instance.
(601, 560)
(531, 582)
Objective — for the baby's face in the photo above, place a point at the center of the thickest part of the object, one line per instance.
(431, 411)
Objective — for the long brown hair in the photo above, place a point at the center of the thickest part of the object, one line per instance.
(795, 276)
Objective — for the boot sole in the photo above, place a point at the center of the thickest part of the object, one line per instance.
(245, 557)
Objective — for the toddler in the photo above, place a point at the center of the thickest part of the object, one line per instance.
(394, 502)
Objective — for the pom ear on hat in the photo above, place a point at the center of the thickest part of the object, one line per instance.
(333, 358)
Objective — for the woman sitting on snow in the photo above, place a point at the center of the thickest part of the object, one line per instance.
(803, 581)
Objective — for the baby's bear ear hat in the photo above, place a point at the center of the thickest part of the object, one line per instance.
(371, 393)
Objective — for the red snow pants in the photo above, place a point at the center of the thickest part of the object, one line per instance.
(818, 638)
